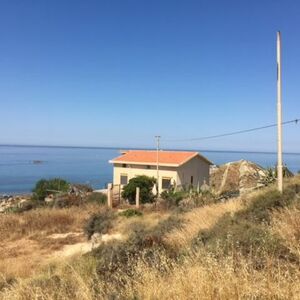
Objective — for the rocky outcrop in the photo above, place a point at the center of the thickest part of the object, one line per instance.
(77, 194)
(237, 177)
(12, 202)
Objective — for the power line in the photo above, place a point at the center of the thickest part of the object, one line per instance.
(232, 133)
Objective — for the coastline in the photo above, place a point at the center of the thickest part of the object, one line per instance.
(90, 165)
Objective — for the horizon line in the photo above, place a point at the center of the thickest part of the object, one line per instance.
(140, 148)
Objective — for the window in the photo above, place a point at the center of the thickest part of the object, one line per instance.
(123, 179)
(148, 167)
(192, 179)
(166, 183)
(124, 166)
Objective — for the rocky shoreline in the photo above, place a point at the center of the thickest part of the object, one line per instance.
(24, 201)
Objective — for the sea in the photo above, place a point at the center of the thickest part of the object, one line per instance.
(22, 166)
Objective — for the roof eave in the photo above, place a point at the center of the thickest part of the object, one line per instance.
(142, 163)
(195, 155)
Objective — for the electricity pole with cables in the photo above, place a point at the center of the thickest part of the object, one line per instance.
(279, 117)
(157, 162)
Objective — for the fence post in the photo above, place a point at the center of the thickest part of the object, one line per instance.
(137, 197)
(109, 195)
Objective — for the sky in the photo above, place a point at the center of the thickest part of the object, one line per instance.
(117, 73)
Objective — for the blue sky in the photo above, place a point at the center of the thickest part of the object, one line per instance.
(116, 73)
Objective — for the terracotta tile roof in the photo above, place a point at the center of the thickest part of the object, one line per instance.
(175, 158)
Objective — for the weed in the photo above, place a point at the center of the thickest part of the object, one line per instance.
(128, 213)
(98, 198)
(99, 223)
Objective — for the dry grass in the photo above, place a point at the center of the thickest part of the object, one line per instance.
(60, 280)
(286, 223)
(199, 275)
(44, 221)
(200, 219)
(30, 239)
(204, 277)
(26, 242)
(124, 225)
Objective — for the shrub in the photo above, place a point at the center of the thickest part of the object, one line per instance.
(196, 199)
(271, 174)
(144, 243)
(234, 232)
(259, 210)
(99, 223)
(61, 202)
(247, 230)
(128, 213)
(172, 197)
(145, 184)
(28, 205)
(45, 187)
(98, 198)
(82, 187)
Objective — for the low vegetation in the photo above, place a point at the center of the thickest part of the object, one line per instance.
(129, 213)
(45, 187)
(100, 222)
(145, 184)
(96, 197)
(244, 248)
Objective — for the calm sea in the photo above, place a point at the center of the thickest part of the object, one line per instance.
(18, 172)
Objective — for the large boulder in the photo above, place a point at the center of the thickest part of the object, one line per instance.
(237, 177)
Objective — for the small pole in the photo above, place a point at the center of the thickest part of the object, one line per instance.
(157, 162)
(109, 195)
(279, 117)
(137, 197)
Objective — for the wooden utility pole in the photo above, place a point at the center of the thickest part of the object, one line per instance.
(157, 162)
(109, 195)
(279, 117)
(137, 197)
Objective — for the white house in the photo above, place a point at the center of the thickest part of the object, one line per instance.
(177, 168)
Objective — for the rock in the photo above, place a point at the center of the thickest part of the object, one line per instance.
(49, 199)
(204, 187)
(80, 189)
(22, 202)
(98, 238)
(237, 177)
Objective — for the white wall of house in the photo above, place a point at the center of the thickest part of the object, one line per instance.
(196, 168)
(132, 170)
(194, 172)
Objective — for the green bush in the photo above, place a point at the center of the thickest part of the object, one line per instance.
(128, 213)
(98, 198)
(99, 223)
(145, 184)
(172, 197)
(45, 187)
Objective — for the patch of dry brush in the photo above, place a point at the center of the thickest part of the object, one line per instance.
(43, 221)
(248, 249)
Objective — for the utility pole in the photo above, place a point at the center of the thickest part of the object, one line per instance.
(279, 117)
(157, 162)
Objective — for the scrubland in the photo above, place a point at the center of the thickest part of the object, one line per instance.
(244, 248)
